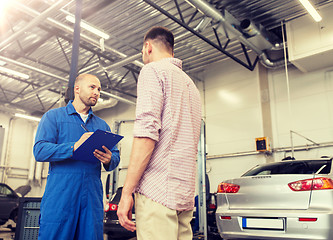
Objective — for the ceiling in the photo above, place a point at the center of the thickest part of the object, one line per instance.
(36, 39)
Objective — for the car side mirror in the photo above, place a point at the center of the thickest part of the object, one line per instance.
(12, 195)
(107, 186)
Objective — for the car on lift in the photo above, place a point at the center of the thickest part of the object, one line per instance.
(291, 199)
(9, 202)
(112, 227)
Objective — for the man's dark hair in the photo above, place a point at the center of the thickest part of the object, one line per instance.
(161, 34)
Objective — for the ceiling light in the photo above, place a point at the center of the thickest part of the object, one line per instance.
(20, 115)
(88, 27)
(313, 12)
(13, 72)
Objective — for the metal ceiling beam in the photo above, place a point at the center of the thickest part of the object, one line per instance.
(34, 92)
(152, 4)
(29, 50)
(34, 22)
(100, 54)
(123, 62)
(15, 55)
(61, 78)
(33, 13)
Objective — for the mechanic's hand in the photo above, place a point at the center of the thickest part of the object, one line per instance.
(104, 157)
(82, 139)
(125, 212)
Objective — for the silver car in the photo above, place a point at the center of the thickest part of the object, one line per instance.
(290, 199)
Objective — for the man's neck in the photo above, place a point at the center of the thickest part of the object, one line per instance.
(161, 56)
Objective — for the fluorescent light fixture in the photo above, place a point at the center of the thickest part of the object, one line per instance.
(313, 12)
(88, 27)
(13, 72)
(2, 63)
(20, 115)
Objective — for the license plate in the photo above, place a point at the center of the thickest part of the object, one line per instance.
(263, 223)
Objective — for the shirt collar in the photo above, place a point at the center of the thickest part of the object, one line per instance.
(175, 61)
(71, 110)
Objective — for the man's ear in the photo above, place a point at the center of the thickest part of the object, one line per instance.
(149, 47)
(76, 89)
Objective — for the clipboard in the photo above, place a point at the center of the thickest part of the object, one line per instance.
(98, 139)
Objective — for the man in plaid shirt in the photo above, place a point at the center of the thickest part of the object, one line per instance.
(166, 133)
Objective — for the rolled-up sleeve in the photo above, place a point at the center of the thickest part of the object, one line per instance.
(149, 104)
(115, 159)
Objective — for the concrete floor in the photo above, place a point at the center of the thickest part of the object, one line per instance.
(7, 234)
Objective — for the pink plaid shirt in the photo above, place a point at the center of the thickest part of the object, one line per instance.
(169, 112)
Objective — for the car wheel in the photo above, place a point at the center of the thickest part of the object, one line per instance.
(14, 217)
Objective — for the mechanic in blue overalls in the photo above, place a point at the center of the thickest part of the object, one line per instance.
(72, 204)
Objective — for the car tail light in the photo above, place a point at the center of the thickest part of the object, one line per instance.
(312, 184)
(307, 219)
(227, 188)
(110, 207)
(225, 217)
(212, 206)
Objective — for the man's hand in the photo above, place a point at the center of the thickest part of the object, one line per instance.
(125, 212)
(82, 139)
(104, 157)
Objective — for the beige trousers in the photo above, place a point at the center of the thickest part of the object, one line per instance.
(157, 222)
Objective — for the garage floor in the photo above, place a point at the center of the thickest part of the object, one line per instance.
(7, 234)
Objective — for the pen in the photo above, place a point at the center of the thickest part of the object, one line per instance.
(84, 127)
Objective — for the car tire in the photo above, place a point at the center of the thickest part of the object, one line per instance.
(14, 217)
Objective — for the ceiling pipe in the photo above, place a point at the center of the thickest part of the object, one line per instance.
(90, 68)
(123, 62)
(113, 66)
(61, 78)
(215, 14)
(32, 68)
(33, 13)
(34, 22)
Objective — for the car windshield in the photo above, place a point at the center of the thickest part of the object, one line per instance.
(292, 167)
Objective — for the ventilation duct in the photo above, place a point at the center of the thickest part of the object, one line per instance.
(249, 28)
(111, 102)
(252, 36)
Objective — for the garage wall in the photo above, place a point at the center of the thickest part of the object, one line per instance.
(233, 120)
(233, 116)
(17, 165)
(307, 110)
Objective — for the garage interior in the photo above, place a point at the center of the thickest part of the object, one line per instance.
(264, 70)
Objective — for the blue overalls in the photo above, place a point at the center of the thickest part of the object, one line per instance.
(72, 204)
